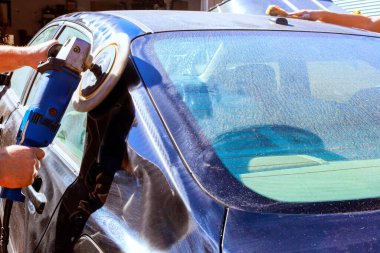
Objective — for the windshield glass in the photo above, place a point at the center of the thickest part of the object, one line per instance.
(293, 116)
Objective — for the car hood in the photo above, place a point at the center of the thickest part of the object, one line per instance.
(338, 232)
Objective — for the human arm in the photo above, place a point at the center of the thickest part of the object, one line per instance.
(19, 165)
(12, 57)
(344, 19)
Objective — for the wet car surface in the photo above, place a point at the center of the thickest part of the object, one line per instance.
(220, 133)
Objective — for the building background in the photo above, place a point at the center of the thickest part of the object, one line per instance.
(207, 4)
(366, 7)
(23, 18)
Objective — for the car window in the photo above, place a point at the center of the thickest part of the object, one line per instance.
(45, 35)
(71, 134)
(21, 77)
(70, 32)
(296, 110)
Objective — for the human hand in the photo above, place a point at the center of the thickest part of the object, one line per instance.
(274, 10)
(19, 165)
(38, 53)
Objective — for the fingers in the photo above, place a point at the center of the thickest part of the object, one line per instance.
(49, 46)
(274, 10)
(39, 153)
(37, 164)
(38, 53)
(19, 165)
(22, 152)
(52, 42)
(45, 45)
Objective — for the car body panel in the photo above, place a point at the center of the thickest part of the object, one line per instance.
(210, 215)
(54, 184)
(265, 232)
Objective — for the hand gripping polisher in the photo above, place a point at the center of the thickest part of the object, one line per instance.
(59, 79)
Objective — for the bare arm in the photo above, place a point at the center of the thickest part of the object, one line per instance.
(12, 57)
(349, 20)
(19, 164)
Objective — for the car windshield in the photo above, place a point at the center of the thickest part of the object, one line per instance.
(293, 116)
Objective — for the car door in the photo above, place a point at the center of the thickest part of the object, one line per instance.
(61, 164)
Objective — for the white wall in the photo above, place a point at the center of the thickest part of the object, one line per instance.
(366, 7)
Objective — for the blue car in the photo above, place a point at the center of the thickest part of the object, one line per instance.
(207, 132)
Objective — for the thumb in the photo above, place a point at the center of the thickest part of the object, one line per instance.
(39, 153)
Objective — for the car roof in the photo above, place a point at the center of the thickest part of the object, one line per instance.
(135, 23)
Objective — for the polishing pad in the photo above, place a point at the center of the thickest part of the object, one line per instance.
(95, 87)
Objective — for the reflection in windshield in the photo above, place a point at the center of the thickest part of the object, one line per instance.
(258, 94)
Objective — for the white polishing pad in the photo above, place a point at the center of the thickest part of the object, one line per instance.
(112, 59)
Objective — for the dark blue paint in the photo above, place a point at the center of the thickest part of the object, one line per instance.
(95, 23)
(265, 232)
(207, 213)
